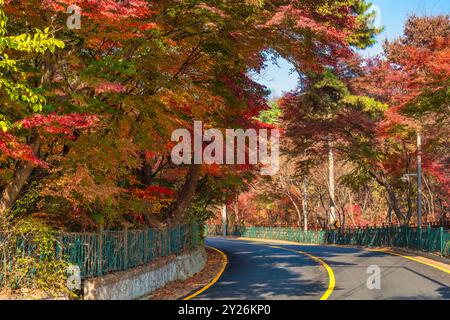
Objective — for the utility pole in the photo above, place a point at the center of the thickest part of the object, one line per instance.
(305, 204)
(405, 178)
(331, 180)
(419, 179)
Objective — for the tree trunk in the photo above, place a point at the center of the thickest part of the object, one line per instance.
(178, 210)
(392, 198)
(352, 217)
(305, 204)
(21, 176)
(236, 211)
(146, 171)
(297, 209)
(390, 215)
(224, 220)
(431, 215)
(331, 185)
(395, 207)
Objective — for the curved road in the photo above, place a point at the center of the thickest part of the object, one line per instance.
(271, 270)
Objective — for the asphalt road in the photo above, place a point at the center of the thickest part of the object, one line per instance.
(256, 270)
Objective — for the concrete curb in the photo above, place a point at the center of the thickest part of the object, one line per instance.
(422, 254)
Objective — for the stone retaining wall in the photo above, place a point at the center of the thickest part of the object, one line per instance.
(141, 281)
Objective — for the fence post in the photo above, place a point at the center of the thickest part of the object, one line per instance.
(179, 239)
(158, 242)
(396, 237)
(406, 235)
(125, 244)
(146, 246)
(441, 236)
(169, 238)
(100, 251)
(60, 246)
(388, 235)
(419, 245)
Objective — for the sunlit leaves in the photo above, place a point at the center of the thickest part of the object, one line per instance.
(145, 68)
(39, 42)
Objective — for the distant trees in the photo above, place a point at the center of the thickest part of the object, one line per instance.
(413, 81)
(375, 126)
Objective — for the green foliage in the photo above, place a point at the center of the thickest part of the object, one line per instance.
(209, 194)
(272, 115)
(39, 42)
(336, 93)
(366, 16)
(213, 192)
(30, 245)
(28, 200)
(368, 105)
(11, 76)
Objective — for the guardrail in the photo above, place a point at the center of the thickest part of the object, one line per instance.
(95, 254)
(432, 240)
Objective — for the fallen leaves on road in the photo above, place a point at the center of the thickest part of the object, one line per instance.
(179, 289)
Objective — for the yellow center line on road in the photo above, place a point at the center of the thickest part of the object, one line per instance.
(325, 296)
(216, 278)
(332, 280)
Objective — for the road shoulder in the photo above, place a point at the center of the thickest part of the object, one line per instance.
(177, 290)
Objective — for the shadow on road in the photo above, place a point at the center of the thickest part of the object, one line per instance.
(258, 272)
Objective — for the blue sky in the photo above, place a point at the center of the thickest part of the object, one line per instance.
(392, 14)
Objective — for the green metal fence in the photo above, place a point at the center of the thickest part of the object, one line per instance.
(99, 253)
(433, 240)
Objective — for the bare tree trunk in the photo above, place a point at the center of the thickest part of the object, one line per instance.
(331, 181)
(178, 209)
(395, 207)
(352, 218)
(391, 197)
(305, 204)
(224, 220)
(297, 209)
(145, 173)
(390, 215)
(366, 198)
(21, 176)
(431, 200)
(291, 198)
(236, 211)
(324, 207)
